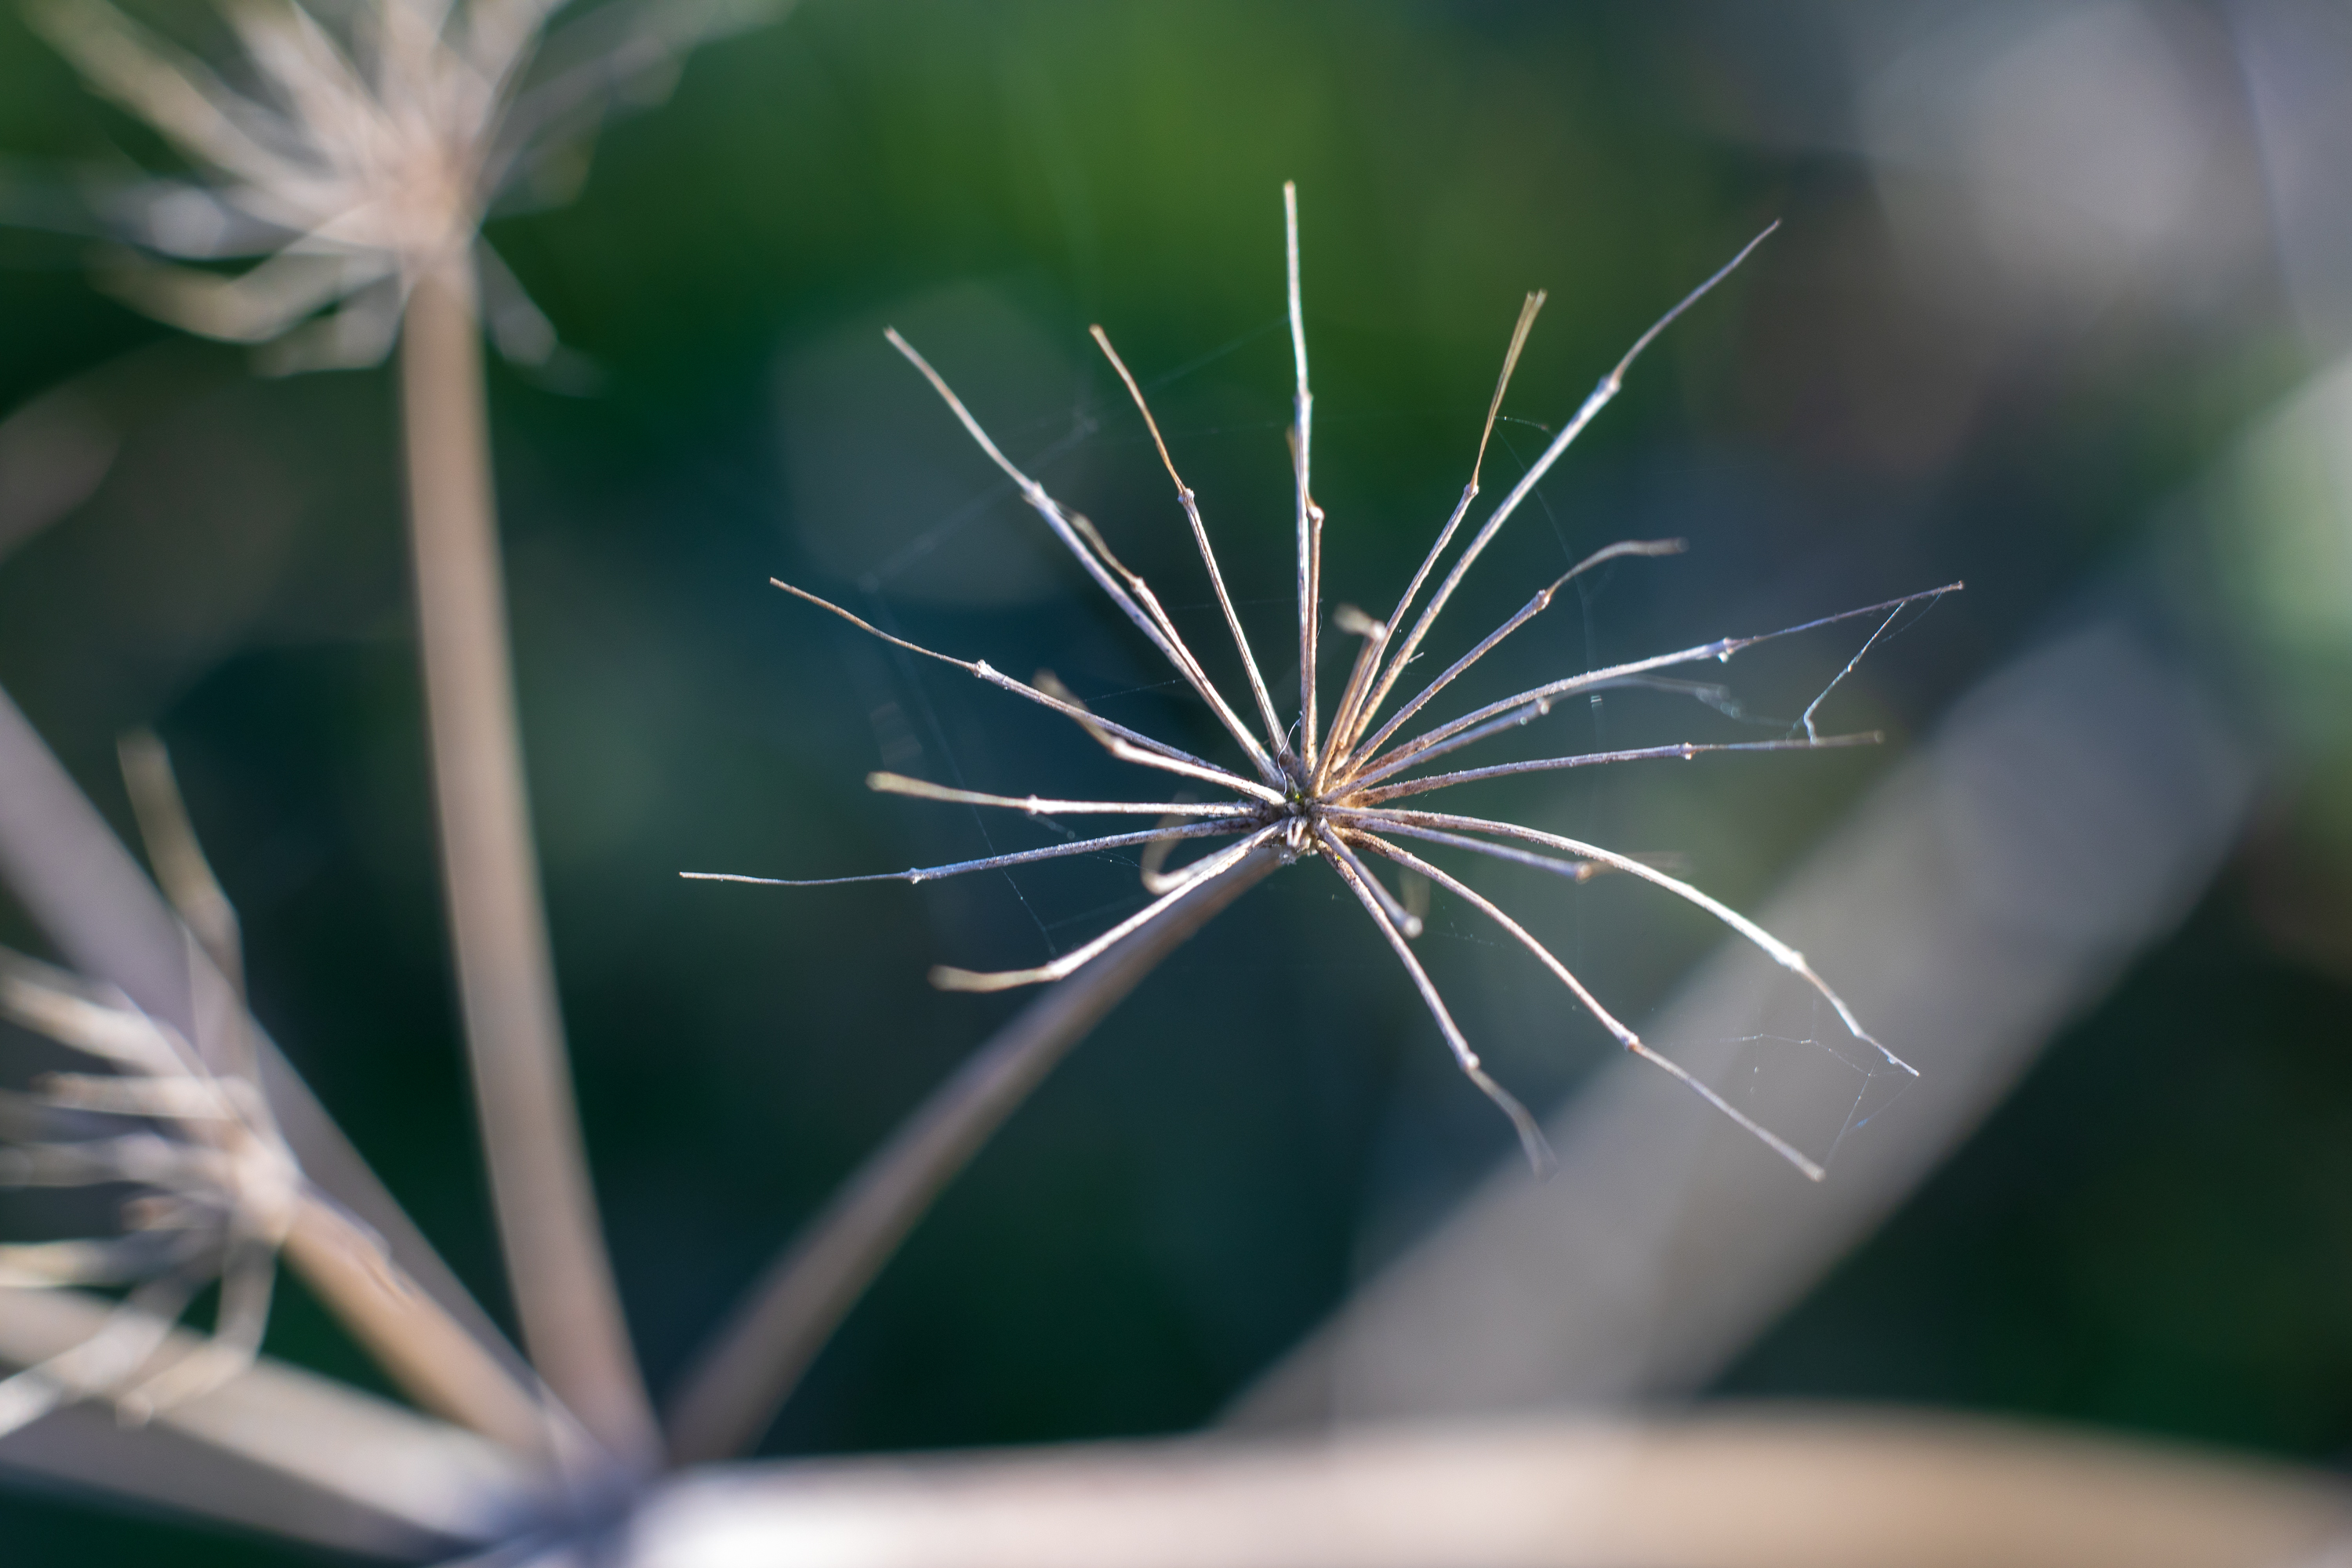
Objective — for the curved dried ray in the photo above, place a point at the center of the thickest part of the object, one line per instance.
(1046, 507)
(1509, 712)
(1274, 730)
(1354, 622)
(1143, 749)
(947, 978)
(994, 862)
(314, 77)
(249, 306)
(1404, 919)
(1350, 724)
(126, 1341)
(1430, 825)
(1626, 1037)
(359, 333)
(1531, 1139)
(140, 1160)
(145, 1159)
(181, 1099)
(1533, 608)
(1156, 880)
(31, 998)
(181, 871)
(166, 88)
(1593, 404)
(1188, 665)
(1682, 749)
(117, 1261)
(238, 1325)
(922, 789)
(1310, 516)
(1806, 718)
(1100, 731)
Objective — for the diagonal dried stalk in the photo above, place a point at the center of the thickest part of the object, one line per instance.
(1320, 792)
(732, 1393)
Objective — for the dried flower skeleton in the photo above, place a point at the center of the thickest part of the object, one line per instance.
(1331, 789)
(351, 154)
(358, 164)
(182, 1124)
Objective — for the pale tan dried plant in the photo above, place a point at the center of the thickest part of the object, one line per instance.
(192, 1118)
(229, 1160)
(359, 166)
(1306, 789)
(359, 169)
(218, 1190)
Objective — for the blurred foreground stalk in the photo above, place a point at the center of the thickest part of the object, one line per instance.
(556, 1262)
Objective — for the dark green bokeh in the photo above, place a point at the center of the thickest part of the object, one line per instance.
(1196, 1188)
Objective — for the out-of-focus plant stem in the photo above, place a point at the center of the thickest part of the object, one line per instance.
(547, 1227)
(733, 1392)
(422, 1348)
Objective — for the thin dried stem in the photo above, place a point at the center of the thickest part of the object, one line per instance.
(247, 1283)
(1350, 725)
(1153, 627)
(1156, 879)
(1806, 719)
(949, 978)
(735, 1387)
(1128, 745)
(1509, 712)
(1607, 1019)
(1191, 503)
(1534, 607)
(1430, 825)
(1351, 620)
(1682, 749)
(1599, 399)
(1163, 833)
(181, 869)
(1036, 805)
(1310, 516)
(1531, 1139)
(1391, 907)
(420, 1347)
(548, 1226)
(100, 1365)
(1187, 664)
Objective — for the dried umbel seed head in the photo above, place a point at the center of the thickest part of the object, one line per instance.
(1332, 789)
(354, 160)
(214, 1191)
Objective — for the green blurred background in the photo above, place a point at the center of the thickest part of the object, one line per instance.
(1928, 374)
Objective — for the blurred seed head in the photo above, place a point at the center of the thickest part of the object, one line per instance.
(213, 1190)
(349, 162)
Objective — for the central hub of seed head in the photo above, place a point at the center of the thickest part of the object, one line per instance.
(1299, 812)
